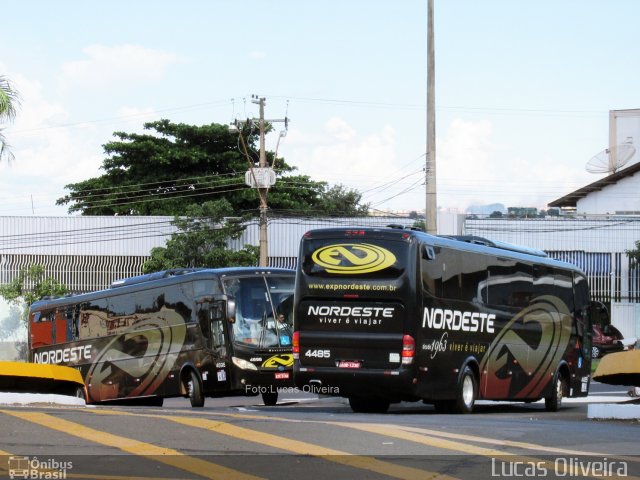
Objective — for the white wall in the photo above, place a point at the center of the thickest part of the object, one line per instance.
(623, 196)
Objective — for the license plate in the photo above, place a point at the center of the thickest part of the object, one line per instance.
(349, 364)
(281, 375)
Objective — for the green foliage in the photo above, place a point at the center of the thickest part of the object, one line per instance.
(18, 290)
(9, 100)
(176, 165)
(202, 240)
(634, 254)
(28, 286)
(339, 200)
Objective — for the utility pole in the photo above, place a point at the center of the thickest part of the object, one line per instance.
(262, 192)
(431, 210)
(261, 178)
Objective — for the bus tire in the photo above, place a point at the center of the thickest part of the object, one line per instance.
(595, 352)
(195, 390)
(368, 405)
(553, 402)
(270, 398)
(467, 391)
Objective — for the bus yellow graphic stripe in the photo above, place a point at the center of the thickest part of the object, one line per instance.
(303, 448)
(353, 258)
(168, 456)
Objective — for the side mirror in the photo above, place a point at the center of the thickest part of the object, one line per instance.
(599, 314)
(231, 309)
(428, 253)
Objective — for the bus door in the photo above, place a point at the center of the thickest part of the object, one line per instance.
(212, 319)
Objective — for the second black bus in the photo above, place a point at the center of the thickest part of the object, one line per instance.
(388, 315)
(186, 332)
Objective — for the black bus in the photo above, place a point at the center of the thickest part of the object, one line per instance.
(388, 315)
(185, 332)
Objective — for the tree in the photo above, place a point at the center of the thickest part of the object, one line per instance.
(9, 100)
(634, 254)
(341, 201)
(176, 165)
(202, 240)
(28, 286)
(41, 286)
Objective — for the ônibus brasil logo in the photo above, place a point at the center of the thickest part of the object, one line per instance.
(353, 258)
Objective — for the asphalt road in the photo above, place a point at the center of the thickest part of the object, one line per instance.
(306, 437)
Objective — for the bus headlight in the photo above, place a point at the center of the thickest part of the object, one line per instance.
(243, 364)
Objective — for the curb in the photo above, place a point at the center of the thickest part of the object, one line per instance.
(615, 411)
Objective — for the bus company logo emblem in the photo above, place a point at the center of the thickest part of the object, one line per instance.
(554, 324)
(144, 356)
(353, 258)
(281, 360)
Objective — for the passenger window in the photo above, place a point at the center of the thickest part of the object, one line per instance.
(510, 285)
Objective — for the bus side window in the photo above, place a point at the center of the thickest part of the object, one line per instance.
(217, 331)
(431, 269)
(204, 322)
(71, 315)
(42, 332)
(510, 284)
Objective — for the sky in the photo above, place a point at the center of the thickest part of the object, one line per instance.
(523, 90)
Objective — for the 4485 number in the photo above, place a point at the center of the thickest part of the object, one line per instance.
(317, 353)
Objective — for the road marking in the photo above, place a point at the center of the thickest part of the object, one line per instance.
(436, 433)
(5, 470)
(168, 456)
(414, 434)
(424, 439)
(304, 448)
(512, 443)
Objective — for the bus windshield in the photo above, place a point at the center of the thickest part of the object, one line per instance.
(264, 307)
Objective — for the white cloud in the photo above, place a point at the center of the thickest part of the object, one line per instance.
(473, 170)
(105, 64)
(49, 153)
(340, 154)
(257, 55)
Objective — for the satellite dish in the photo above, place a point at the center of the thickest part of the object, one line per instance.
(610, 160)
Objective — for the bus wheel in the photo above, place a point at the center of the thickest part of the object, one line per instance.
(595, 352)
(270, 398)
(195, 390)
(467, 392)
(368, 405)
(554, 401)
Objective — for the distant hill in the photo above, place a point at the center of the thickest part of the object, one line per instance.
(486, 209)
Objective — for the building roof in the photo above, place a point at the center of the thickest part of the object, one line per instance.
(571, 199)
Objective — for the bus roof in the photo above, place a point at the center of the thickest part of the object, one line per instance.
(468, 243)
(200, 272)
(160, 278)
